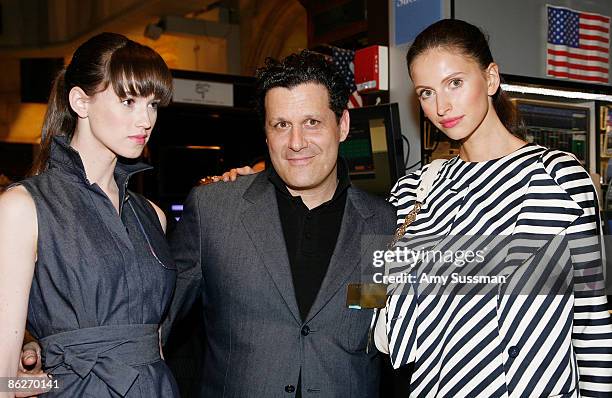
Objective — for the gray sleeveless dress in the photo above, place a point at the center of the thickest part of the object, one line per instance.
(102, 283)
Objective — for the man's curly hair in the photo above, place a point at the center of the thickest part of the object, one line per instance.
(299, 68)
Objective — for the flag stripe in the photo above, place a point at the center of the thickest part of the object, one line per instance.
(594, 48)
(598, 28)
(595, 17)
(577, 55)
(594, 37)
(582, 72)
(574, 60)
(578, 76)
(594, 32)
(585, 43)
(605, 25)
(577, 66)
(355, 100)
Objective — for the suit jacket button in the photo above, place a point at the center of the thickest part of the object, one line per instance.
(513, 351)
(290, 388)
(305, 330)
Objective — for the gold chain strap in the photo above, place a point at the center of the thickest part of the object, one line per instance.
(409, 219)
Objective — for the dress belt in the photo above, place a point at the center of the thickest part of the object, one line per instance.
(110, 352)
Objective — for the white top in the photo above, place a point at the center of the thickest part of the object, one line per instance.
(489, 342)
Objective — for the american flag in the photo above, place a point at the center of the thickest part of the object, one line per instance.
(343, 60)
(578, 45)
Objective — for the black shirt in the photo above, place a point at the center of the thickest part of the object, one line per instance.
(310, 235)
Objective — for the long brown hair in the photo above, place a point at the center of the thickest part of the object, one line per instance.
(108, 58)
(469, 40)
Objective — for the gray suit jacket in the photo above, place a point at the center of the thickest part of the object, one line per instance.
(230, 252)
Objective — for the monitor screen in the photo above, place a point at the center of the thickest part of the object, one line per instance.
(373, 150)
(556, 126)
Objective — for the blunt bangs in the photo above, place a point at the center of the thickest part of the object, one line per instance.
(138, 71)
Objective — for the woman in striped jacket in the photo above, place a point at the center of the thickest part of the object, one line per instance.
(542, 330)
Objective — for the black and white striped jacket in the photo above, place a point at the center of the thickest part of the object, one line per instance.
(492, 342)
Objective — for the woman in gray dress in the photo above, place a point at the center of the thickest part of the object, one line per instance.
(83, 260)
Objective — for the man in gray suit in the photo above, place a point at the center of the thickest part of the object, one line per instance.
(270, 255)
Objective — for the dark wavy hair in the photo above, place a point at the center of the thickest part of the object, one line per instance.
(303, 67)
(132, 69)
(469, 40)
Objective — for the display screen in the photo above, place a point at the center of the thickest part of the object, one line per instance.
(357, 150)
(556, 126)
(373, 149)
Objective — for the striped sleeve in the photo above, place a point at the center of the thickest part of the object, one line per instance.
(403, 192)
(592, 328)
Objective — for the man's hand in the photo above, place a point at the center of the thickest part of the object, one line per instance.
(30, 359)
(30, 366)
(230, 175)
(234, 173)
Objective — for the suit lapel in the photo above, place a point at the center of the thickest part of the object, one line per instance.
(262, 223)
(346, 256)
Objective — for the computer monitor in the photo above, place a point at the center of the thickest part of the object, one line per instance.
(562, 126)
(374, 150)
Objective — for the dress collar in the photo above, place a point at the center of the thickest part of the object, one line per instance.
(65, 158)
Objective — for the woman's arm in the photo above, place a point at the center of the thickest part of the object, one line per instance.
(592, 328)
(160, 214)
(162, 220)
(18, 237)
